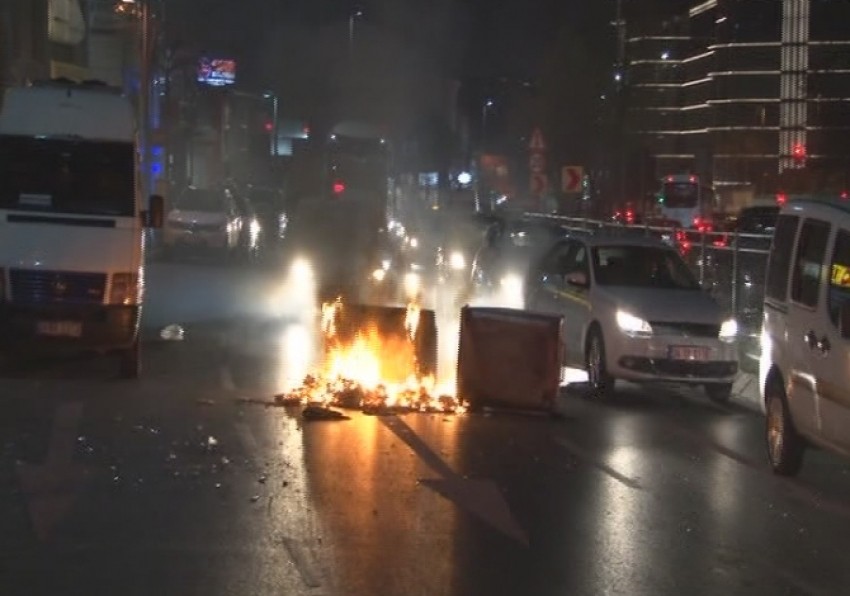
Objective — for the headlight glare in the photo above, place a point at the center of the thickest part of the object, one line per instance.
(729, 329)
(632, 325)
(457, 261)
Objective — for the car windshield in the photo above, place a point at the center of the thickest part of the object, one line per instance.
(642, 267)
(64, 175)
(201, 200)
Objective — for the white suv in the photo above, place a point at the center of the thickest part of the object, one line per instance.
(804, 373)
(634, 310)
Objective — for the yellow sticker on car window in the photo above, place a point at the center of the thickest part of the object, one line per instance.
(841, 275)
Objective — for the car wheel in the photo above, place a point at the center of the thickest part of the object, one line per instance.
(130, 363)
(784, 446)
(601, 384)
(719, 393)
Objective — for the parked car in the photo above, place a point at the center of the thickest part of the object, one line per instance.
(633, 310)
(203, 219)
(804, 377)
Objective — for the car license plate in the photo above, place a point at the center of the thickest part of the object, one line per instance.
(60, 328)
(692, 353)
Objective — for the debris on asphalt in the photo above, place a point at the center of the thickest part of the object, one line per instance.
(284, 400)
(172, 332)
(255, 498)
(262, 479)
(320, 413)
(205, 402)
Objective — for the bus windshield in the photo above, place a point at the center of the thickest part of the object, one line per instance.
(681, 194)
(64, 175)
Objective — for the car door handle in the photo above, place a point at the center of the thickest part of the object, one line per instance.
(811, 339)
(822, 345)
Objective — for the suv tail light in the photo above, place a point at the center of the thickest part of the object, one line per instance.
(125, 288)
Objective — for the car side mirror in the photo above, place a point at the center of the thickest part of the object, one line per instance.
(155, 214)
(844, 320)
(577, 279)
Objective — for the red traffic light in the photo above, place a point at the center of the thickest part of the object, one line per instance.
(781, 198)
(799, 151)
(339, 187)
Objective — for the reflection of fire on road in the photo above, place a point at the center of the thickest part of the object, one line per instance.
(373, 370)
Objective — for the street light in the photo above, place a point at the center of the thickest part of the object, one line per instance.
(354, 15)
(487, 104)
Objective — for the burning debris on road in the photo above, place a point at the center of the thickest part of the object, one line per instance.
(367, 368)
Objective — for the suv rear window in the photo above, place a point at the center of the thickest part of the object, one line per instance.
(780, 257)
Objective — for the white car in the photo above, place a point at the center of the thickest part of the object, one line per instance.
(633, 310)
(202, 218)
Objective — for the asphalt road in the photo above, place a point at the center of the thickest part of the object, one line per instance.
(179, 484)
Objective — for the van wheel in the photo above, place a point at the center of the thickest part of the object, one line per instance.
(784, 446)
(719, 393)
(130, 363)
(600, 382)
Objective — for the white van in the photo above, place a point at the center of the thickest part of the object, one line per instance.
(805, 367)
(71, 221)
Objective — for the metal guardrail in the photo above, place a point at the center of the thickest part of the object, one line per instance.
(733, 264)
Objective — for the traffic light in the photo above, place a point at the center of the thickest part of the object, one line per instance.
(781, 198)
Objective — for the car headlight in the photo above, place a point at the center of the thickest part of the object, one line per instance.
(412, 285)
(632, 325)
(729, 330)
(457, 261)
(379, 275)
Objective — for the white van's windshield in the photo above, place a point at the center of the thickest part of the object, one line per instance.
(63, 175)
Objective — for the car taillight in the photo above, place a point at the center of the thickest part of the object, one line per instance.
(125, 288)
(338, 187)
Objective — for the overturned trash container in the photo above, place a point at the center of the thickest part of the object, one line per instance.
(509, 358)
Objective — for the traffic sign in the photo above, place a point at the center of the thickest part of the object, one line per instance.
(571, 178)
(539, 184)
(537, 163)
(537, 143)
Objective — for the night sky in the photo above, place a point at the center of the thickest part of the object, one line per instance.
(405, 49)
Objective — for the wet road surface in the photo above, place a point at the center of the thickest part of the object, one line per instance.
(179, 484)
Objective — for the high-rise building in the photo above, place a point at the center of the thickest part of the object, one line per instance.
(753, 94)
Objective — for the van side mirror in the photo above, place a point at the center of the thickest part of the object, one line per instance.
(154, 217)
(844, 320)
(577, 279)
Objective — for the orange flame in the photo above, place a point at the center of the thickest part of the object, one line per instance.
(373, 371)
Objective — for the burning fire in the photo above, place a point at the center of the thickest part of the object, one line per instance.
(372, 371)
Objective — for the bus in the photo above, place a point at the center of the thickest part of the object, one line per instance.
(683, 200)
